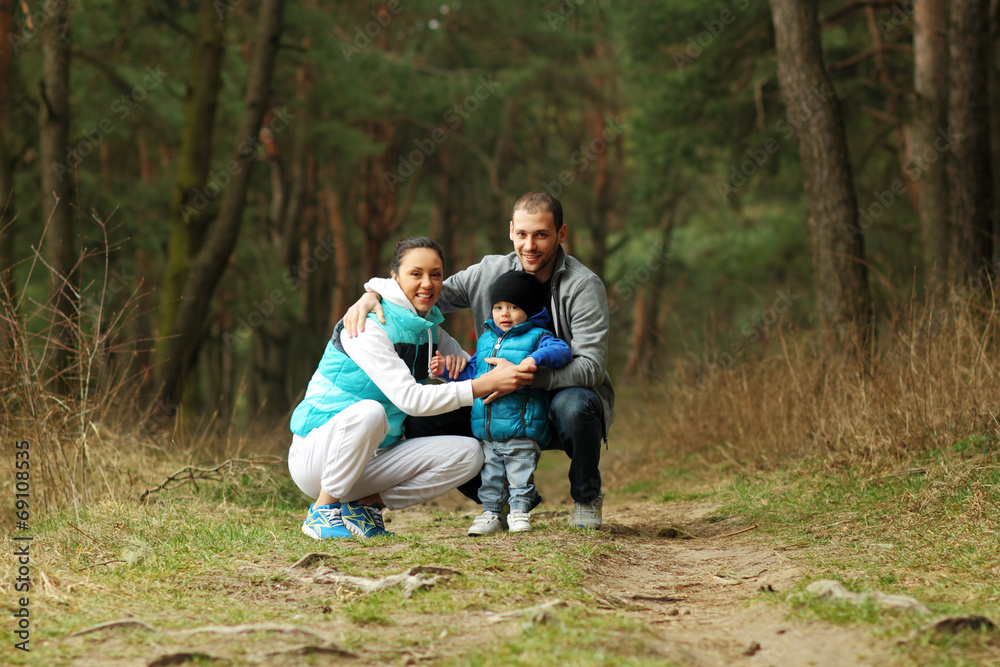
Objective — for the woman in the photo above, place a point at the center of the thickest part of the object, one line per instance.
(346, 450)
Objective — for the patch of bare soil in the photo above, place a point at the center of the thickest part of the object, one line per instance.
(700, 586)
(697, 584)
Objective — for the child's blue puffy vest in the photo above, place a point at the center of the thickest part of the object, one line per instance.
(339, 382)
(523, 413)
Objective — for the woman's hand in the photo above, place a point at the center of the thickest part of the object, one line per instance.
(354, 318)
(454, 363)
(502, 380)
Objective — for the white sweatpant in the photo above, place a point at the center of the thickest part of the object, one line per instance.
(337, 457)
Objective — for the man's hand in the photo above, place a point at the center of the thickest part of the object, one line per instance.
(454, 363)
(354, 318)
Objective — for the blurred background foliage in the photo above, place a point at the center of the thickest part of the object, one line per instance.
(659, 125)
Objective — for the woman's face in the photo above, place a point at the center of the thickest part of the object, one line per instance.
(421, 275)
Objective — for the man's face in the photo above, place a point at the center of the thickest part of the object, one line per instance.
(536, 242)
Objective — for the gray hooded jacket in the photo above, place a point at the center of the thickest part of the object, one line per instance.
(579, 310)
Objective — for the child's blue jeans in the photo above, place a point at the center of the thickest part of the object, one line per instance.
(512, 461)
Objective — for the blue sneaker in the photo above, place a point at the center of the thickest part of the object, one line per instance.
(364, 520)
(323, 522)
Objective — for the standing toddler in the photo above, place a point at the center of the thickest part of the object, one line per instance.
(512, 428)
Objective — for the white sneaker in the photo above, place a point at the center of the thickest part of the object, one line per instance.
(517, 522)
(486, 523)
(588, 515)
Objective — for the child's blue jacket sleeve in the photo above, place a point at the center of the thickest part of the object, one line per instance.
(552, 352)
(468, 373)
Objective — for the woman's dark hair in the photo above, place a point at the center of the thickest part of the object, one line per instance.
(404, 245)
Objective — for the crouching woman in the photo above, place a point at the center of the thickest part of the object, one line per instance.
(347, 449)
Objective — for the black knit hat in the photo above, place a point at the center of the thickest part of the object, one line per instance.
(520, 289)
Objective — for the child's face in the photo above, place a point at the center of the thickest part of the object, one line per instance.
(507, 315)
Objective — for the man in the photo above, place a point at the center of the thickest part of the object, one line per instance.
(582, 397)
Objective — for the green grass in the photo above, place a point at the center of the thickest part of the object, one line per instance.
(929, 530)
(220, 556)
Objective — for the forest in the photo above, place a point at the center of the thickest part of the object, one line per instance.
(194, 192)
(794, 206)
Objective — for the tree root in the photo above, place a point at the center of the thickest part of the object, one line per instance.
(411, 581)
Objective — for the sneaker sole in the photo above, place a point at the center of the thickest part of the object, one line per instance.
(520, 530)
(316, 536)
(481, 533)
(357, 532)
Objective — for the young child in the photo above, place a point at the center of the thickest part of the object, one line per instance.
(512, 427)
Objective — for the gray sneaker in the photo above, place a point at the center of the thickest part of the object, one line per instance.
(588, 515)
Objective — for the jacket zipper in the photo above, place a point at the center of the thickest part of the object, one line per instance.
(489, 408)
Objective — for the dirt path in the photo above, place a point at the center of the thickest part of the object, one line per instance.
(695, 593)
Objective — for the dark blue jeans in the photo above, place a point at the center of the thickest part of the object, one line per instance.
(577, 418)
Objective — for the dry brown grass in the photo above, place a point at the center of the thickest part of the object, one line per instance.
(934, 380)
(91, 436)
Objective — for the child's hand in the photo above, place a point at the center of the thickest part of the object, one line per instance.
(437, 365)
(454, 363)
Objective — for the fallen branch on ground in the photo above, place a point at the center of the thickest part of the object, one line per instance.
(536, 611)
(412, 580)
(193, 474)
(120, 623)
(251, 627)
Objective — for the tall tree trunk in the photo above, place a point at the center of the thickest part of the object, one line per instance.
(647, 336)
(839, 272)
(995, 131)
(190, 210)
(930, 85)
(8, 211)
(210, 263)
(273, 340)
(970, 171)
(343, 288)
(57, 188)
(381, 208)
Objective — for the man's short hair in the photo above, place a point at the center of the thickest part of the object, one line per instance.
(540, 202)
